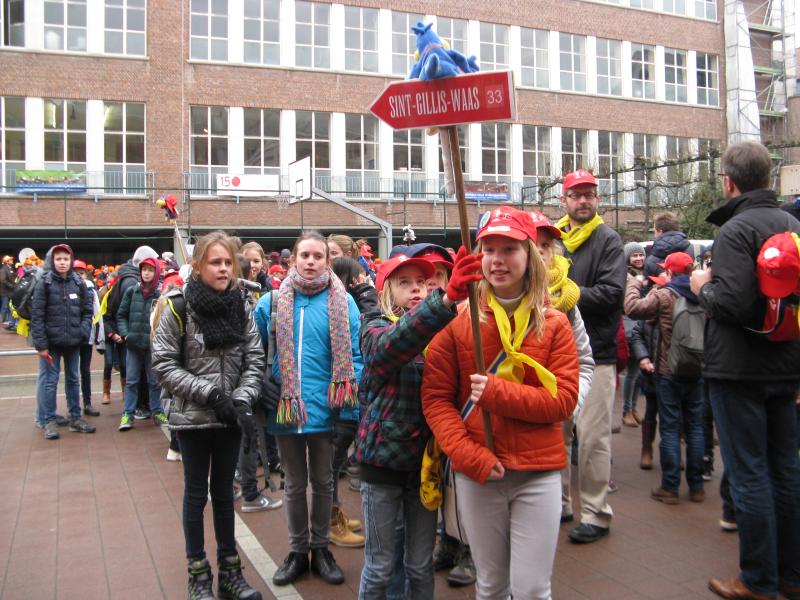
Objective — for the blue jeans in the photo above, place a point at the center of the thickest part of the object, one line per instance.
(5, 309)
(630, 385)
(134, 360)
(381, 504)
(47, 384)
(758, 437)
(680, 398)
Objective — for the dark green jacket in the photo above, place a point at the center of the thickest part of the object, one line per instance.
(133, 317)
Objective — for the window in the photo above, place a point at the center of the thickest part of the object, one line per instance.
(535, 67)
(209, 30)
(123, 146)
(675, 74)
(641, 3)
(209, 145)
(574, 149)
(403, 41)
(707, 80)
(409, 161)
(496, 152)
(65, 134)
(609, 67)
(12, 141)
(12, 23)
(609, 154)
(679, 175)
(535, 154)
(572, 50)
(463, 146)
(262, 43)
(262, 141)
(361, 149)
(643, 71)
(65, 25)
(313, 138)
(360, 39)
(677, 7)
(645, 155)
(454, 32)
(707, 169)
(706, 9)
(125, 27)
(494, 47)
(312, 35)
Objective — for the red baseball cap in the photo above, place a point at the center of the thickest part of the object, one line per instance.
(677, 262)
(386, 269)
(79, 264)
(778, 265)
(276, 269)
(658, 279)
(508, 222)
(579, 177)
(540, 221)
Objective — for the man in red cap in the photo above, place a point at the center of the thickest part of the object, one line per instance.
(752, 382)
(680, 394)
(598, 267)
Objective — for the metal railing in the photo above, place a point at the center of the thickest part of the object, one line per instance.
(100, 183)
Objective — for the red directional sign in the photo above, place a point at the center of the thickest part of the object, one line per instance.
(469, 98)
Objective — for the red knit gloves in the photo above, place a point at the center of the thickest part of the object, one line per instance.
(467, 269)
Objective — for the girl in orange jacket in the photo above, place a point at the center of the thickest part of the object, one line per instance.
(509, 498)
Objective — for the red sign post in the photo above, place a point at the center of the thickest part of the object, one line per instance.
(471, 98)
(445, 103)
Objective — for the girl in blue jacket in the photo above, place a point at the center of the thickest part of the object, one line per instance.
(318, 363)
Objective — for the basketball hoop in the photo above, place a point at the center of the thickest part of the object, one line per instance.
(282, 200)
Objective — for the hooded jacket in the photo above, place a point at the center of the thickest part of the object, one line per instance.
(188, 371)
(732, 299)
(127, 277)
(664, 245)
(133, 316)
(657, 305)
(61, 308)
(598, 267)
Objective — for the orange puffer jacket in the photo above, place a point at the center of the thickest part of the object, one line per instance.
(526, 419)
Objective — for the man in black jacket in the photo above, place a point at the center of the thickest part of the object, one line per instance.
(752, 382)
(61, 320)
(598, 267)
(668, 240)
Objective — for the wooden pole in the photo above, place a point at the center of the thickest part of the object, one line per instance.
(458, 180)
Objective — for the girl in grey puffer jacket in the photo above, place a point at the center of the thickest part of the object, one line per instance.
(207, 355)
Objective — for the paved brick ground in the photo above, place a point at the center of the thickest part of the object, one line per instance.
(98, 516)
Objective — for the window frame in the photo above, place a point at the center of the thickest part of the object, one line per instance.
(66, 132)
(317, 22)
(576, 77)
(674, 72)
(264, 43)
(263, 139)
(211, 41)
(126, 167)
(446, 28)
(208, 169)
(320, 174)
(363, 34)
(709, 70)
(65, 29)
(613, 63)
(538, 152)
(126, 7)
(494, 45)
(402, 35)
(495, 148)
(6, 164)
(647, 84)
(537, 68)
(362, 181)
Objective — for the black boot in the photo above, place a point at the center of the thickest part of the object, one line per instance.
(231, 584)
(294, 565)
(324, 565)
(200, 580)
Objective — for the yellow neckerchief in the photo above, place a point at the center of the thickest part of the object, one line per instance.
(564, 293)
(573, 238)
(512, 367)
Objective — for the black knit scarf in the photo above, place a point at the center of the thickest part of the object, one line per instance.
(221, 315)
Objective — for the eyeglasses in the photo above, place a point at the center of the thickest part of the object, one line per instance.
(720, 174)
(578, 196)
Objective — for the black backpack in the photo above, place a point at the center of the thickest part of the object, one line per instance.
(23, 293)
(685, 355)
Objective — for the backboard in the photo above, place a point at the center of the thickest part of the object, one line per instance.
(300, 180)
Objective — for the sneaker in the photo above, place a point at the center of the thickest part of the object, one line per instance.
(237, 493)
(661, 495)
(38, 424)
(141, 415)
(612, 486)
(91, 411)
(567, 518)
(353, 470)
(445, 554)
(200, 580)
(294, 565)
(728, 523)
(62, 421)
(232, 584)
(324, 565)
(275, 466)
(708, 468)
(126, 422)
(159, 418)
(261, 502)
(354, 485)
(81, 426)
(463, 573)
(340, 533)
(173, 455)
(586, 533)
(51, 431)
(237, 475)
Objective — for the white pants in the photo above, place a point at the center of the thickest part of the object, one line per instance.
(594, 447)
(516, 521)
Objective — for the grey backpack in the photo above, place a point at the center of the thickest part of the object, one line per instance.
(685, 356)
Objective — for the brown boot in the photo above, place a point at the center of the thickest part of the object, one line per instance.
(648, 435)
(106, 392)
(629, 420)
(340, 534)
